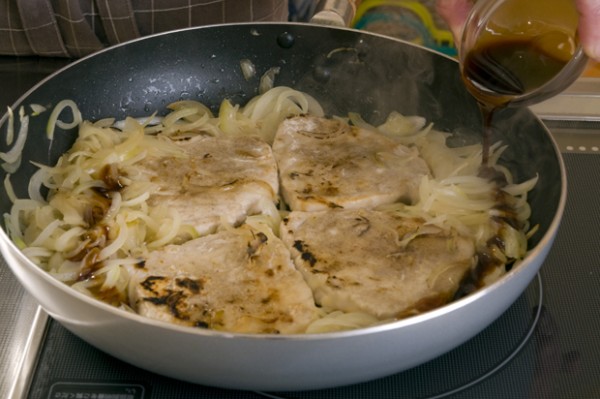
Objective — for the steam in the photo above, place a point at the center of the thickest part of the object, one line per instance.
(375, 75)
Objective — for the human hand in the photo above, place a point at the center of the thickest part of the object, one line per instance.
(589, 27)
(455, 12)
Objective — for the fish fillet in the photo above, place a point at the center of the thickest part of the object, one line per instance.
(222, 180)
(326, 163)
(238, 280)
(376, 262)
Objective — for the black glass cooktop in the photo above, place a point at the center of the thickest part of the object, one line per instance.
(547, 345)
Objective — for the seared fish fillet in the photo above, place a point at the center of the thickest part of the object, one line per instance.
(326, 163)
(376, 262)
(237, 280)
(220, 180)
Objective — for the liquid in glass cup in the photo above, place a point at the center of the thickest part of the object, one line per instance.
(519, 52)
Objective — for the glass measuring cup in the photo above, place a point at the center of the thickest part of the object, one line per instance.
(520, 52)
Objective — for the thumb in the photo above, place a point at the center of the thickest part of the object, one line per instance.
(589, 27)
(455, 13)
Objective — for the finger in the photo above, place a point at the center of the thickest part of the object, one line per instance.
(455, 13)
(589, 27)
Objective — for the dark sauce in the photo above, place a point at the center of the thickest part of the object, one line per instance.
(511, 68)
(473, 280)
(111, 177)
(97, 234)
(495, 72)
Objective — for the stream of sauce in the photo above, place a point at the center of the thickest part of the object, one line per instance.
(495, 72)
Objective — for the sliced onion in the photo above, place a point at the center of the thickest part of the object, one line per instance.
(37, 252)
(136, 200)
(248, 69)
(118, 242)
(46, 233)
(13, 156)
(267, 80)
(115, 206)
(522, 188)
(53, 120)
(8, 187)
(20, 205)
(37, 109)
(171, 228)
(149, 121)
(63, 242)
(35, 185)
(10, 129)
(175, 116)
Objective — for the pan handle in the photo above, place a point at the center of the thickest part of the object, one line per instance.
(335, 12)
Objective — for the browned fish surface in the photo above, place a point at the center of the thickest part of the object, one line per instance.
(376, 262)
(237, 280)
(221, 180)
(326, 163)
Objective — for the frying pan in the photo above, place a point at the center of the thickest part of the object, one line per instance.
(345, 70)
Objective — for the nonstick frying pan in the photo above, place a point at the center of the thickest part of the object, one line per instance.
(346, 71)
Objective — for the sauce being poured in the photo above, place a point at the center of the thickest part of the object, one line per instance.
(511, 48)
(497, 72)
